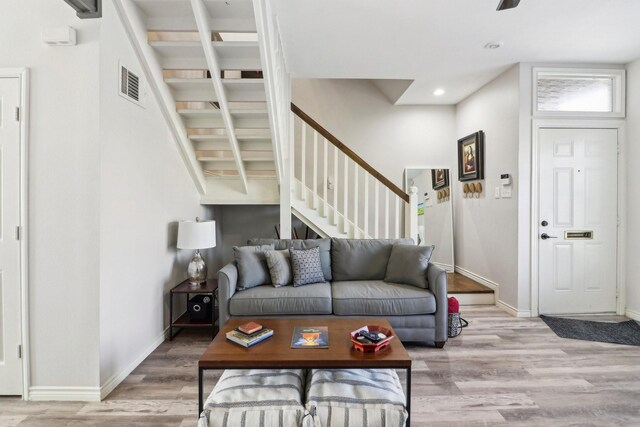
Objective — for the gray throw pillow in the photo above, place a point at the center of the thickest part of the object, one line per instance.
(408, 265)
(323, 244)
(279, 263)
(306, 266)
(252, 266)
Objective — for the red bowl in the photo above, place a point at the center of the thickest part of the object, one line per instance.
(373, 347)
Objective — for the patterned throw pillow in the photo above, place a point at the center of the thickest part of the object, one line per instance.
(306, 266)
(279, 263)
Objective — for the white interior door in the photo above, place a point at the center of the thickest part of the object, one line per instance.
(578, 220)
(10, 362)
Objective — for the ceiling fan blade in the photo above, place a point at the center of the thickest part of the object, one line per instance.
(508, 4)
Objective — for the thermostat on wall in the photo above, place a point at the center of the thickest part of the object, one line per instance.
(59, 36)
(505, 179)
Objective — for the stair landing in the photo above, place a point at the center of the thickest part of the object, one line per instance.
(468, 291)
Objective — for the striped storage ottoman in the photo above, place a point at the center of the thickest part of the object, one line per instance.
(355, 397)
(256, 397)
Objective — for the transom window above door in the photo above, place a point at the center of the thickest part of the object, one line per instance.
(578, 92)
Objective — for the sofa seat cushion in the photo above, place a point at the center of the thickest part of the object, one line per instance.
(267, 300)
(379, 298)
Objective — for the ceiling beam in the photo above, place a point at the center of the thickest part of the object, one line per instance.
(204, 29)
(86, 9)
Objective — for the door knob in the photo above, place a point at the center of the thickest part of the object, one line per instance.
(544, 223)
(545, 236)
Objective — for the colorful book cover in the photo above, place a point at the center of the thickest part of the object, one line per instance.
(248, 341)
(310, 337)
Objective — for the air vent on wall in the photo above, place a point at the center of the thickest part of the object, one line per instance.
(131, 86)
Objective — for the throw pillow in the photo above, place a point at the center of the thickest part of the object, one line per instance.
(279, 263)
(306, 266)
(252, 266)
(323, 244)
(408, 265)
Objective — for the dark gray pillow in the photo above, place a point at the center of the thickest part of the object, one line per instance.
(279, 263)
(252, 266)
(306, 267)
(361, 259)
(408, 265)
(323, 244)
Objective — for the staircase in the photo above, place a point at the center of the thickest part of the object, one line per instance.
(217, 71)
(338, 194)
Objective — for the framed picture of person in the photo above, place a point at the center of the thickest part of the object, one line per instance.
(439, 178)
(471, 157)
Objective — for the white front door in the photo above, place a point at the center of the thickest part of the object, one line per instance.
(10, 362)
(578, 200)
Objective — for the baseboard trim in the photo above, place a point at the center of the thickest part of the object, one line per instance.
(116, 379)
(633, 314)
(76, 394)
(512, 310)
(482, 280)
(446, 267)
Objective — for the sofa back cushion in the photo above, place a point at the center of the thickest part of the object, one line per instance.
(323, 244)
(361, 259)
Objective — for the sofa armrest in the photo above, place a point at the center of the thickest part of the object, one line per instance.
(437, 279)
(227, 281)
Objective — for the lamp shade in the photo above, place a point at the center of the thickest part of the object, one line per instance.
(196, 234)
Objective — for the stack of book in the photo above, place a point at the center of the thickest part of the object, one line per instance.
(249, 334)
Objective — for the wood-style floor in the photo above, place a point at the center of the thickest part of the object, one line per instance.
(500, 371)
(459, 284)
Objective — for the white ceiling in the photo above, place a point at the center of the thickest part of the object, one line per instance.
(440, 43)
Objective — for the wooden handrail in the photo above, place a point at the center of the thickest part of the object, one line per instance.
(349, 153)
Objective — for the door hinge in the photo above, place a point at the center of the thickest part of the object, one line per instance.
(17, 114)
(19, 351)
(17, 232)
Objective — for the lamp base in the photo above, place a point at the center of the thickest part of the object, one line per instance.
(197, 270)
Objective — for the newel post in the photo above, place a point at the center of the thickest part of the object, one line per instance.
(411, 215)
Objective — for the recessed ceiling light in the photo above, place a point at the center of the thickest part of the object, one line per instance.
(438, 92)
(493, 45)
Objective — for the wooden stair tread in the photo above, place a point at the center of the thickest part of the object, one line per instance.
(459, 284)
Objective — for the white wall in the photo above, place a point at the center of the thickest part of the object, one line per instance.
(63, 177)
(390, 138)
(633, 199)
(486, 229)
(145, 189)
(437, 222)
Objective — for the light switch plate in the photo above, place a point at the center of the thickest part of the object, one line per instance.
(506, 192)
(497, 192)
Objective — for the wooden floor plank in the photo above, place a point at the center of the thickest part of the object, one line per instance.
(500, 371)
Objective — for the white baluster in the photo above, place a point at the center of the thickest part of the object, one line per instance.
(366, 206)
(386, 213)
(315, 171)
(376, 208)
(356, 200)
(303, 161)
(335, 186)
(345, 187)
(325, 175)
(397, 218)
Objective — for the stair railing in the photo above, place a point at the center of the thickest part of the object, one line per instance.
(344, 189)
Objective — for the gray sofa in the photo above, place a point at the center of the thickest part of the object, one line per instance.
(354, 270)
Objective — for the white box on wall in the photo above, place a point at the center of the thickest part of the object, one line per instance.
(59, 36)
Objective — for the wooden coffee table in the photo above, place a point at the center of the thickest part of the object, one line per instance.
(276, 351)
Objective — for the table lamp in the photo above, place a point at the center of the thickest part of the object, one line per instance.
(196, 235)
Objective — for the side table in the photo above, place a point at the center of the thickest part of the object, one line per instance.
(184, 321)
